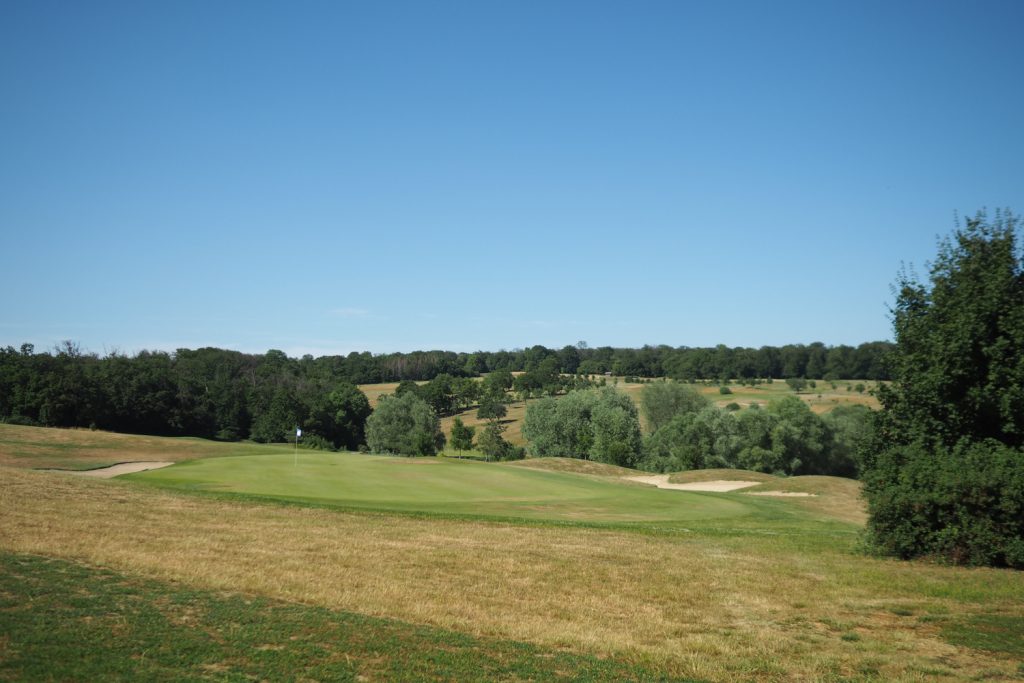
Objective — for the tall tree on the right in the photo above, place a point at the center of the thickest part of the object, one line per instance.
(944, 470)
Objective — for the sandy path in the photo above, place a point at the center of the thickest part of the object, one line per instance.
(120, 468)
(717, 486)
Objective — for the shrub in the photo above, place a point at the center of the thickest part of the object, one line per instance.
(404, 425)
(964, 505)
(724, 390)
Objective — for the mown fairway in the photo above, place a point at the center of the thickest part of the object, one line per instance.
(620, 582)
(438, 485)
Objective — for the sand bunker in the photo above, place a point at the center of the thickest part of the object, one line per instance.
(717, 486)
(120, 468)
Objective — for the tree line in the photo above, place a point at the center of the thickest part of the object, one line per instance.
(224, 394)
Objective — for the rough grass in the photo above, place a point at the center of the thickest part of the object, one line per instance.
(722, 474)
(66, 621)
(83, 449)
(836, 496)
(575, 466)
(719, 602)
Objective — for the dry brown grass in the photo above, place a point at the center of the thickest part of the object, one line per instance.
(575, 466)
(720, 607)
(513, 422)
(690, 476)
(375, 391)
(41, 447)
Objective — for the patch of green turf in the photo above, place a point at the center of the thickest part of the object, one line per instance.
(64, 621)
(463, 488)
(992, 632)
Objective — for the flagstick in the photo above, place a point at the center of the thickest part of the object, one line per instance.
(296, 463)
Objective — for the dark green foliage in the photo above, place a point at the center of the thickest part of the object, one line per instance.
(492, 406)
(616, 427)
(964, 504)
(797, 384)
(787, 438)
(404, 425)
(593, 424)
(724, 390)
(461, 436)
(662, 401)
(494, 446)
(439, 393)
(851, 428)
(944, 471)
(339, 417)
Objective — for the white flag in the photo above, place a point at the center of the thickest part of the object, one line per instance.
(298, 432)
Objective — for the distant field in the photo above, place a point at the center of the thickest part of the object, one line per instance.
(350, 566)
(821, 399)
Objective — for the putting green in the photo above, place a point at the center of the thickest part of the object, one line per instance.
(438, 485)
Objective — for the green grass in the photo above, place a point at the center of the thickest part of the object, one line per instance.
(464, 488)
(992, 632)
(64, 621)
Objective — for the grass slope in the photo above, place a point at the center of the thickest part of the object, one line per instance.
(575, 466)
(82, 449)
(722, 600)
(723, 474)
(454, 487)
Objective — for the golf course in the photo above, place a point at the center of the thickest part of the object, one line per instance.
(259, 561)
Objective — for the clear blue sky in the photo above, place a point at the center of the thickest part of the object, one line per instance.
(328, 177)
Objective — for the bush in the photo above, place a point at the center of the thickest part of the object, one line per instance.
(944, 468)
(404, 425)
(964, 505)
(599, 424)
(797, 384)
(724, 390)
(494, 446)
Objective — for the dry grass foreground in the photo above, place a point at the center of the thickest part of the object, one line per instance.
(717, 607)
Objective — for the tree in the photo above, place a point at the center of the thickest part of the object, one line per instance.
(404, 425)
(801, 441)
(616, 430)
(492, 406)
(944, 469)
(340, 417)
(494, 445)
(797, 384)
(663, 401)
(598, 424)
(561, 427)
(462, 436)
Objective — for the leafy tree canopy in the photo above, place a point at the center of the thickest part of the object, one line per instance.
(944, 471)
